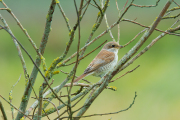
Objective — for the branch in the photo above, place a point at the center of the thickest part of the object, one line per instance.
(87, 54)
(105, 80)
(3, 111)
(148, 47)
(106, 113)
(169, 17)
(73, 69)
(15, 107)
(64, 15)
(173, 9)
(135, 37)
(72, 99)
(10, 97)
(45, 79)
(75, 76)
(105, 17)
(33, 76)
(18, 49)
(20, 25)
(125, 73)
(96, 38)
(148, 27)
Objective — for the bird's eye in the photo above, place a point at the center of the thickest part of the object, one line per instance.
(113, 45)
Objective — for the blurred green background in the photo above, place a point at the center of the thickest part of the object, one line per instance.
(156, 81)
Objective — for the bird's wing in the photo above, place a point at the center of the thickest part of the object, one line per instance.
(104, 57)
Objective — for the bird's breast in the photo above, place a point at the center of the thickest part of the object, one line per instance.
(101, 71)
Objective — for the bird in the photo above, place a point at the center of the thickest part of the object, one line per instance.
(104, 62)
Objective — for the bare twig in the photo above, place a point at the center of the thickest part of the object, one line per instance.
(148, 47)
(98, 7)
(15, 107)
(147, 5)
(88, 2)
(174, 8)
(87, 54)
(106, 113)
(76, 76)
(148, 27)
(93, 5)
(176, 3)
(10, 96)
(105, 17)
(50, 85)
(35, 65)
(52, 104)
(65, 17)
(170, 17)
(18, 49)
(125, 73)
(135, 37)
(20, 25)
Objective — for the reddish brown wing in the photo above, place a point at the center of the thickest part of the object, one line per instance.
(104, 57)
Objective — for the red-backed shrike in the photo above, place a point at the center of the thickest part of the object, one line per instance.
(104, 62)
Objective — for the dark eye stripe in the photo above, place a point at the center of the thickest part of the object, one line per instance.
(113, 45)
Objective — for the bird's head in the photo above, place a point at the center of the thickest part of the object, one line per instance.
(112, 46)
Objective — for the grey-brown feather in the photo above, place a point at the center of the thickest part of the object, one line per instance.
(101, 63)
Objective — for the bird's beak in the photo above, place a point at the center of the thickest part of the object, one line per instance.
(120, 46)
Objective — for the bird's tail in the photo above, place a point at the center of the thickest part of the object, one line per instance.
(79, 78)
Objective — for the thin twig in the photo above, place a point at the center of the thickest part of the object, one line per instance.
(10, 96)
(46, 114)
(98, 7)
(86, 8)
(74, 98)
(75, 76)
(135, 37)
(93, 5)
(148, 47)
(34, 111)
(170, 17)
(64, 16)
(87, 54)
(106, 113)
(125, 73)
(147, 5)
(174, 8)
(105, 17)
(52, 104)
(50, 85)
(18, 49)
(20, 25)
(15, 107)
(176, 3)
(148, 27)
(34, 64)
